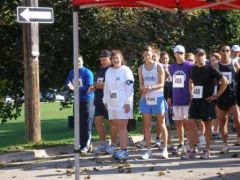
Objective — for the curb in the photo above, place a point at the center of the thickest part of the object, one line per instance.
(49, 152)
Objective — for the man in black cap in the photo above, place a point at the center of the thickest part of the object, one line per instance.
(100, 110)
(202, 81)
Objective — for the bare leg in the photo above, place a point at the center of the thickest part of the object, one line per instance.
(123, 133)
(147, 118)
(180, 131)
(223, 122)
(208, 133)
(161, 120)
(99, 122)
(113, 131)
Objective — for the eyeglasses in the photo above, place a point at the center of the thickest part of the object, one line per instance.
(190, 60)
(225, 50)
(181, 53)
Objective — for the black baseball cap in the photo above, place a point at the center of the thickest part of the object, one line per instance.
(105, 53)
(200, 51)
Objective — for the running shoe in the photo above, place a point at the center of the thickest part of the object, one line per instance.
(140, 144)
(237, 143)
(101, 148)
(181, 149)
(190, 155)
(216, 136)
(157, 142)
(147, 154)
(225, 149)
(205, 154)
(121, 154)
(85, 150)
(164, 153)
(111, 149)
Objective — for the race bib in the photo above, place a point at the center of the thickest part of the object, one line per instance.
(151, 100)
(198, 92)
(114, 96)
(99, 80)
(80, 82)
(178, 81)
(228, 75)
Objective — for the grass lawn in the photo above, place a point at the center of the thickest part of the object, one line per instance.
(54, 130)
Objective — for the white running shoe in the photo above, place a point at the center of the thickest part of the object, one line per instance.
(225, 149)
(147, 154)
(164, 153)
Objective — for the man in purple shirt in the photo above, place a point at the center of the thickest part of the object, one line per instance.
(180, 99)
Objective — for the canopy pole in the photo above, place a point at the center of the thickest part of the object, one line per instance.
(76, 94)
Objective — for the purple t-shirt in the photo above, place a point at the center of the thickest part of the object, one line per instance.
(180, 87)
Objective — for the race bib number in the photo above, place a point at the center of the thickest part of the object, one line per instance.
(151, 100)
(114, 96)
(99, 80)
(198, 92)
(178, 81)
(80, 82)
(228, 75)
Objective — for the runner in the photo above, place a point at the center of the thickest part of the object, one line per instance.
(227, 102)
(100, 110)
(151, 80)
(118, 99)
(180, 72)
(203, 79)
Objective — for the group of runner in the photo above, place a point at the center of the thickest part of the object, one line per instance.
(193, 91)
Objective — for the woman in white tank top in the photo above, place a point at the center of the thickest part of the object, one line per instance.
(151, 79)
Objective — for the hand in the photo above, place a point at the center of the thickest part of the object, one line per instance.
(99, 85)
(169, 102)
(70, 85)
(126, 108)
(211, 98)
(144, 92)
(91, 89)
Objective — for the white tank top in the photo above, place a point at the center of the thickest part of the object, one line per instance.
(150, 78)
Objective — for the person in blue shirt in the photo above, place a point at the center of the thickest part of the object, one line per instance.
(86, 109)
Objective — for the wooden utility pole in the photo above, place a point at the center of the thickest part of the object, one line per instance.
(31, 78)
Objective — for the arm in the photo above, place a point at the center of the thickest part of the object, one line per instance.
(105, 91)
(69, 81)
(161, 78)
(191, 87)
(223, 84)
(129, 86)
(141, 83)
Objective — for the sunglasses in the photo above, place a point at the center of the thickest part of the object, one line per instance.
(181, 53)
(225, 50)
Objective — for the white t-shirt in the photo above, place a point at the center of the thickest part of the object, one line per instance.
(118, 88)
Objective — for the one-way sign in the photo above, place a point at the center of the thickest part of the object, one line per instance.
(34, 14)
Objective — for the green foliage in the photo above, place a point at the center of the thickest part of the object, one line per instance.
(127, 29)
(11, 66)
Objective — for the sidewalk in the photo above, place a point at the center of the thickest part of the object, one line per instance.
(58, 163)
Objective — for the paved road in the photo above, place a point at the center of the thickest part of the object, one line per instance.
(105, 168)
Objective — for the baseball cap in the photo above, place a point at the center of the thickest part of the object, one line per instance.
(179, 48)
(235, 48)
(200, 51)
(105, 53)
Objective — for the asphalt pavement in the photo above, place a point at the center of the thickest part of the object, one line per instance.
(58, 163)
